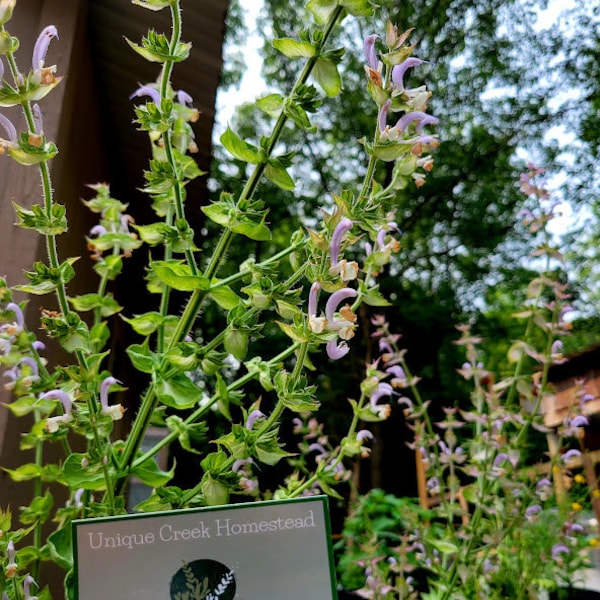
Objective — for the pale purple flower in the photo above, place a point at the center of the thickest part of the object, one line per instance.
(500, 458)
(543, 488)
(533, 511)
(12, 375)
(98, 230)
(399, 70)
(240, 463)
(38, 345)
(77, 497)
(384, 347)
(253, 417)
(336, 351)
(433, 485)
(53, 423)
(27, 360)
(557, 347)
(559, 549)
(420, 117)
(11, 132)
(579, 421)
(27, 583)
(570, 455)
(11, 555)
(342, 227)
(383, 112)
(19, 317)
(383, 389)
(61, 395)
(320, 449)
(313, 297)
(364, 434)
(396, 371)
(41, 47)
(115, 411)
(184, 98)
(38, 119)
(146, 90)
(345, 323)
(574, 528)
(370, 53)
(1, 69)
(586, 398)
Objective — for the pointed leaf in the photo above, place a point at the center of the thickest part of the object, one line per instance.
(178, 392)
(294, 48)
(239, 148)
(328, 77)
(278, 175)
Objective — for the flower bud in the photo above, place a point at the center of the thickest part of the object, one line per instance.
(236, 343)
(6, 10)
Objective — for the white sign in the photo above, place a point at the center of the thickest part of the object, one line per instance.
(278, 550)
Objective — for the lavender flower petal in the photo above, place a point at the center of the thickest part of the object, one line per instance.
(41, 46)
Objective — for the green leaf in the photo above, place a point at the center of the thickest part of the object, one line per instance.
(37, 219)
(26, 154)
(321, 9)
(25, 472)
(38, 289)
(327, 76)
(388, 151)
(444, 546)
(155, 48)
(358, 8)
(299, 116)
(38, 510)
(271, 104)
(142, 358)
(178, 276)
(218, 213)
(297, 396)
(293, 332)
(109, 266)
(80, 474)
(186, 433)
(255, 231)
(150, 473)
(146, 323)
(239, 148)
(178, 392)
(294, 48)
(276, 172)
(153, 234)
(223, 295)
(61, 546)
(107, 304)
(154, 5)
(214, 491)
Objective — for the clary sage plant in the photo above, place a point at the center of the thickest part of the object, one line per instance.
(331, 268)
(499, 522)
(315, 306)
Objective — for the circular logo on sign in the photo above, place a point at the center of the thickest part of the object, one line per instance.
(203, 579)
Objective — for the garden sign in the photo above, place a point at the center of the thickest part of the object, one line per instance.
(253, 551)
